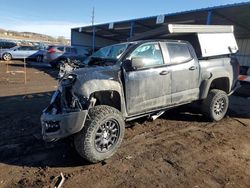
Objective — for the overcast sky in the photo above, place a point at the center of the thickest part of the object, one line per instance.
(56, 17)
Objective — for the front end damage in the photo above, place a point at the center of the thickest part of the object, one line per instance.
(66, 113)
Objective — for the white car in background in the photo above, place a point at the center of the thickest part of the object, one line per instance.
(23, 52)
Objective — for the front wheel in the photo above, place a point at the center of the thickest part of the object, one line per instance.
(7, 57)
(215, 105)
(101, 135)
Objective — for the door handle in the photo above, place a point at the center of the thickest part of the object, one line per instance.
(192, 68)
(164, 72)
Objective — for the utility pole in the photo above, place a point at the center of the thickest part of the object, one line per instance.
(93, 35)
(93, 16)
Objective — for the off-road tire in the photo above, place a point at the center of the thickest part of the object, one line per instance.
(6, 57)
(209, 105)
(85, 140)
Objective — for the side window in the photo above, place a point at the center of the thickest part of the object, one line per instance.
(30, 48)
(22, 48)
(3, 45)
(150, 53)
(61, 49)
(178, 52)
(35, 48)
(6, 45)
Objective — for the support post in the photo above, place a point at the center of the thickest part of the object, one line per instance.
(7, 66)
(209, 17)
(25, 74)
(131, 29)
(93, 40)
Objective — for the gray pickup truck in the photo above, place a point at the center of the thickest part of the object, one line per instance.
(134, 79)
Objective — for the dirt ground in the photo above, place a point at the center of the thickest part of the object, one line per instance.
(180, 149)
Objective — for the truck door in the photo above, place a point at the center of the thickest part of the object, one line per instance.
(185, 72)
(148, 87)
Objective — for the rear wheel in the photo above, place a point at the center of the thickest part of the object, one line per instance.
(101, 135)
(7, 57)
(215, 105)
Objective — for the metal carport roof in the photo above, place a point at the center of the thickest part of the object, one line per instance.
(232, 14)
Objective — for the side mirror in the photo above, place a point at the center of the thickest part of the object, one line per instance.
(137, 63)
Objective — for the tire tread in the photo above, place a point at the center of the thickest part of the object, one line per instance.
(207, 108)
(82, 139)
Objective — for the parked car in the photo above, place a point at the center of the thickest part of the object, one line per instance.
(55, 55)
(21, 52)
(244, 76)
(7, 45)
(147, 78)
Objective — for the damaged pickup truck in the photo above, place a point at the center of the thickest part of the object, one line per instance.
(142, 78)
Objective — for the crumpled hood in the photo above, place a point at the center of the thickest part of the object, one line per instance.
(97, 72)
(92, 79)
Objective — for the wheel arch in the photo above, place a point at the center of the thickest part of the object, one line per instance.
(108, 97)
(106, 92)
(220, 82)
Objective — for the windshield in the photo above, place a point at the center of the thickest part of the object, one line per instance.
(112, 52)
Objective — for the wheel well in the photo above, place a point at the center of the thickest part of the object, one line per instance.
(220, 83)
(110, 98)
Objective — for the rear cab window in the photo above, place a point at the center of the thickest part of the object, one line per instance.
(178, 52)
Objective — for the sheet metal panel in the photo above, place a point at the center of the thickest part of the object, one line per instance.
(244, 52)
(213, 44)
(181, 28)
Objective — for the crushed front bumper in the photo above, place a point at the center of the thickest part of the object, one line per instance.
(59, 126)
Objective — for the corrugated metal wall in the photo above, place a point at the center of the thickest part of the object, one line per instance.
(244, 52)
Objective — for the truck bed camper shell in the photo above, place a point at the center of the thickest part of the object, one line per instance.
(207, 40)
